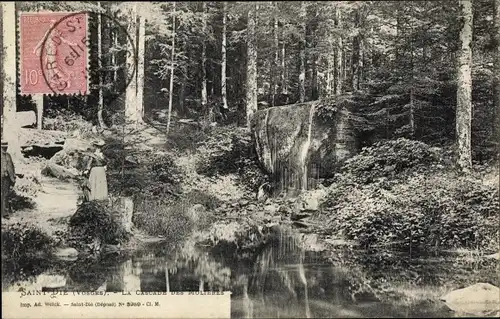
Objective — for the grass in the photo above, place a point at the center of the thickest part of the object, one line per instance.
(158, 218)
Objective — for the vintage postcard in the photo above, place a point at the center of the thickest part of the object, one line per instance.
(273, 159)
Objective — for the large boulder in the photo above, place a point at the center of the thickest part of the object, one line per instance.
(298, 142)
(481, 299)
(73, 155)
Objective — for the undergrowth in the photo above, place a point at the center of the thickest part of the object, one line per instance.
(160, 218)
(399, 194)
(24, 241)
(144, 174)
(229, 150)
(96, 221)
(19, 202)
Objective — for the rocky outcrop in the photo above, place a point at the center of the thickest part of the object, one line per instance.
(300, 142)
(43, 143)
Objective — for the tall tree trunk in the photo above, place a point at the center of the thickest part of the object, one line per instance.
(496, 75)
(224, 58)
(184, 81)
(357, 52)
(100, 102)
(274, 73)
(329, 76)
(344, 63)
(115, 44)
(172, 60)
(251, 87)
(284, 88)
(315, 80)
(131, 91)
(38, 99)
(204, 98)
(141, 43)
(464, 103)
(314, 57)
(412, 80)
(338, 61)
(302, 71)
(10, 127)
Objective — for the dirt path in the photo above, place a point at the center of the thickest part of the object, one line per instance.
(55, 203)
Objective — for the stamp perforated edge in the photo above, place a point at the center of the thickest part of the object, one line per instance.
(20, 59)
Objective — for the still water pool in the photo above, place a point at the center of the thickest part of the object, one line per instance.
(278, 280)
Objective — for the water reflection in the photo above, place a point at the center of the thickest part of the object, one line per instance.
(280, 279)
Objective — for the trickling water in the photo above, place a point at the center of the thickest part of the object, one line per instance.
(305, 150)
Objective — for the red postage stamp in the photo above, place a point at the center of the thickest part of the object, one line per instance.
(53, 53)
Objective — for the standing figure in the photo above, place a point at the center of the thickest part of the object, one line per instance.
(96, 187)
(8, 178)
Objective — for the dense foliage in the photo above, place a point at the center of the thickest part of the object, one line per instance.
(397, 194)
(96, 222)
(390, 159)
(141, 173)
(21, 240)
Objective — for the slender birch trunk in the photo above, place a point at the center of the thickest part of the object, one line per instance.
(224, 57)
(274, 73)
(171, 86)
(464, 90)
(302, 71)
(131, 91)
(204, 98)
(251, 87)
(141, 43)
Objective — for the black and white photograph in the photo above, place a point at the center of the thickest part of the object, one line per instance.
(298, 159)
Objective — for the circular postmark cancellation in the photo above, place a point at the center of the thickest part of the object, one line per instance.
(68, 48)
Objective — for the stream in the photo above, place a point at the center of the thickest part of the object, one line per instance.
(277, 279)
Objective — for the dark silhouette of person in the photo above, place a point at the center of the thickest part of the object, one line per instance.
(8, 178)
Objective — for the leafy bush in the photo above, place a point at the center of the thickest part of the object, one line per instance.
(216, 152)
(21, 240)
(19, 202)
(95, 221)
(229, 150)
(431, 208)
(390, 159)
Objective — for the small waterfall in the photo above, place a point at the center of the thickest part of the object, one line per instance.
(269, 161)
(305, 151)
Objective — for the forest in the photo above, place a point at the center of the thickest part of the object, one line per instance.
(371, 126)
